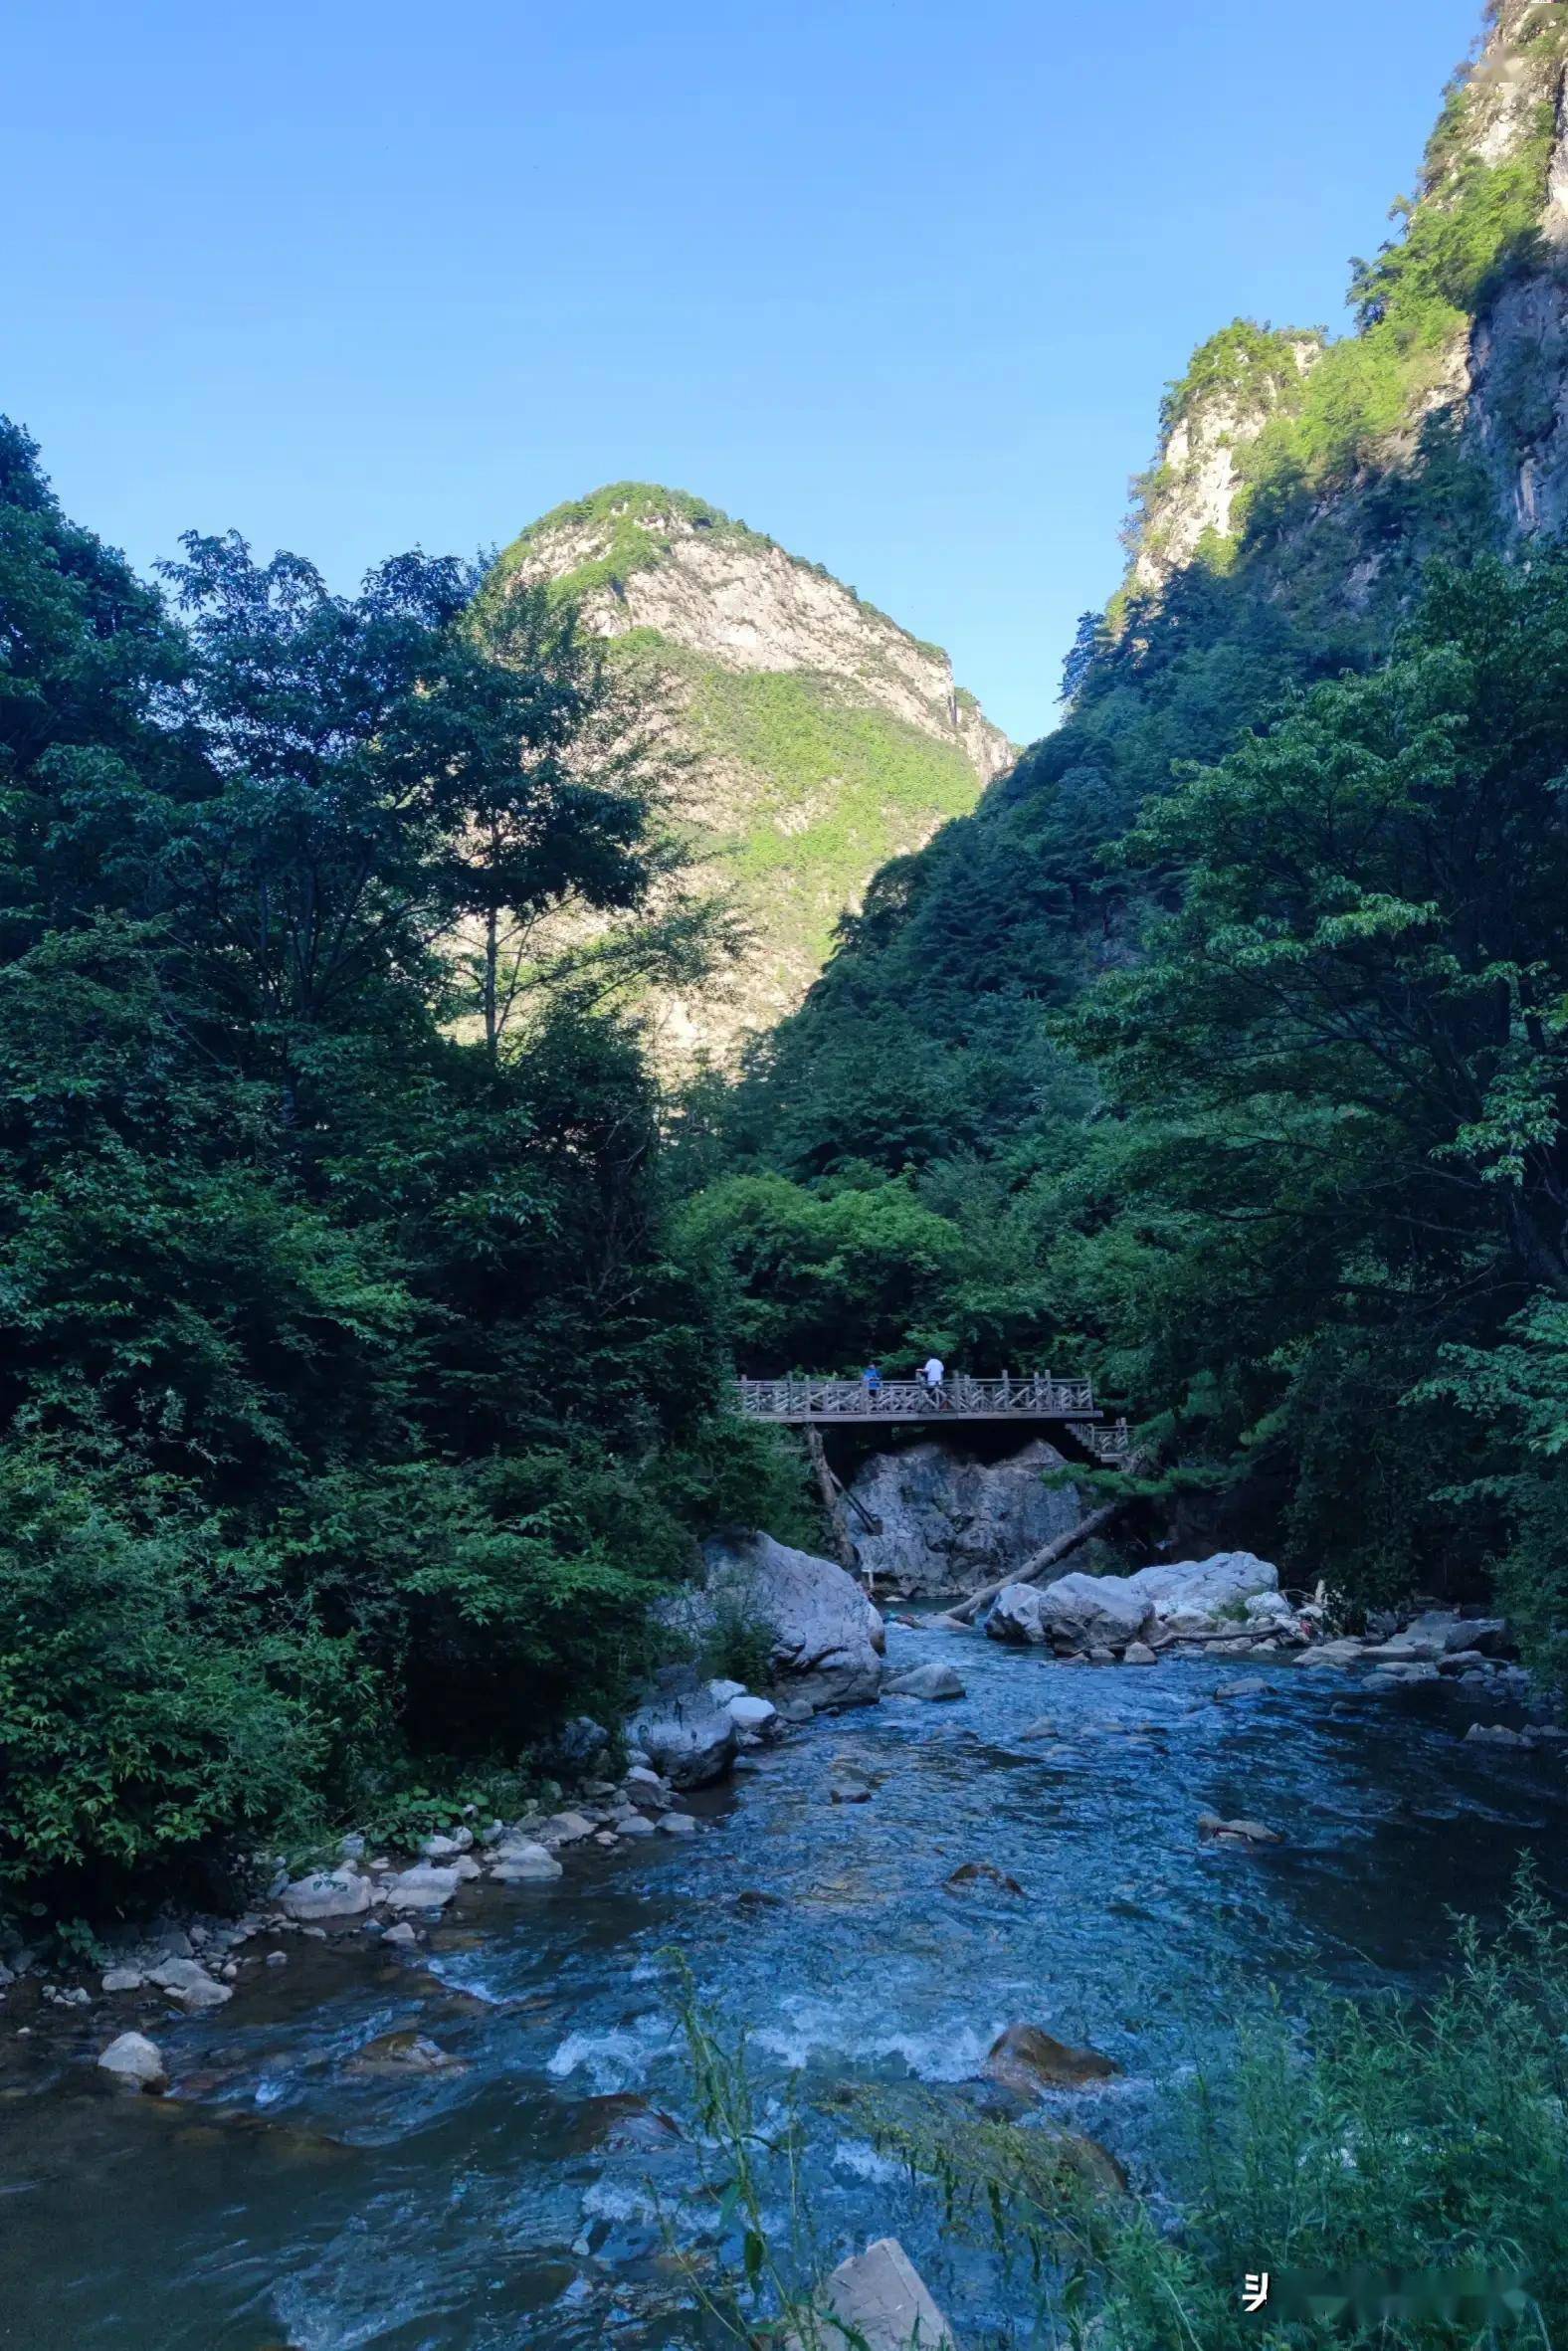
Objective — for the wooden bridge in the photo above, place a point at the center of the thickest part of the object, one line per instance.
(842, 1404)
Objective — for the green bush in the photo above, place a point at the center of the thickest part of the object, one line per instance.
(1418, 2136)
(150, 1715)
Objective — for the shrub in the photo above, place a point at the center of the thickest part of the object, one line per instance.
(147, 1720)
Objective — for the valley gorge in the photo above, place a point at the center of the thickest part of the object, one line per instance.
(499, 1844)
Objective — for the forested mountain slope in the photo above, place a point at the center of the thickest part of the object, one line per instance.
(353, 1405)
(1223, 1044)
(820, 739)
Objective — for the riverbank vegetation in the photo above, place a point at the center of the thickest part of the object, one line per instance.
(1414, 2150)
(355, 1404)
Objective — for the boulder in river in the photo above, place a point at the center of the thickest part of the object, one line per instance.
(879, 2301)
(951, 1521)
(689, 1739)
(188, 1982)
(1139, 1652)
(1026, 2059)
(758, 1716)
(823, 1630)
(403, 2053)
(424, 1887)
(1449, 1632)
(137, 2061)
(983, 1874)
(1243, 1832)
(623, 2123)
(926, 1681)
(1077, 1611)
(1200, 1596)
(325, 1893)
(1093, 2164)
(849, 1785)
(523, 1860)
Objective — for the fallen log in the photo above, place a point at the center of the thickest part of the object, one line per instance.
(1060, 1547)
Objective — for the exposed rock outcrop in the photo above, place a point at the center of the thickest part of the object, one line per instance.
(825, 1636)
(950, 1521)
(826, 739)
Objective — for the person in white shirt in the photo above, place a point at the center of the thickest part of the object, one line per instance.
(933, 1371)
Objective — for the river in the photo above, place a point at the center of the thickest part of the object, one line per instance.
(282, 2196)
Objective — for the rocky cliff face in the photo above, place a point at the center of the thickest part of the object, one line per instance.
(950, 1522)
(1301, 484)
(1458, 376)
(824, 738)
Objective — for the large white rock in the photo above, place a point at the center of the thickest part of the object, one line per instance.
(136, 2059)
(823, 1627)
(1450, 1634)
(950, 1522)
(880, 2300)
(926, 1681)
(188, 1982)
(1077, 1612)
(1202, 1595)
(689, 1739)
(424, 1887)
(520, 1859)
(325, 1893)
(758, 1715)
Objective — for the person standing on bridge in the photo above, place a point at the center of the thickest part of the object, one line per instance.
(870, 1381)
(934, 1372)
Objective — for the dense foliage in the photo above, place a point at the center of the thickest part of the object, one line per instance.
(1222, 1049)
(352, 1402)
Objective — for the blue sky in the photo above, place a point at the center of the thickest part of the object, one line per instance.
(897, 281)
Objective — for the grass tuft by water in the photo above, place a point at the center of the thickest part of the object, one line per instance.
(1373, 2141)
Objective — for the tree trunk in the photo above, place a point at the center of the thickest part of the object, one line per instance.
(831, 1501)
(492, 958)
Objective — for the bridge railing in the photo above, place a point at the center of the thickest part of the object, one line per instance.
(1035, 1396)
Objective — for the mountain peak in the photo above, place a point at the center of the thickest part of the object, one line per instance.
(825, 738)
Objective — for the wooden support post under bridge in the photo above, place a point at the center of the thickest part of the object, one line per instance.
(832, 1500)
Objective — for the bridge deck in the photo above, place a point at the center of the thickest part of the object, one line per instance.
(848, 1403)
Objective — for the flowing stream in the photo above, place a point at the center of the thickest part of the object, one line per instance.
(284, 2196)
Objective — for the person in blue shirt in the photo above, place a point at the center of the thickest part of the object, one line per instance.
(870, 1381)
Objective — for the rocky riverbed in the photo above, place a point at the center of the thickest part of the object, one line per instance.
(478, 2135)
